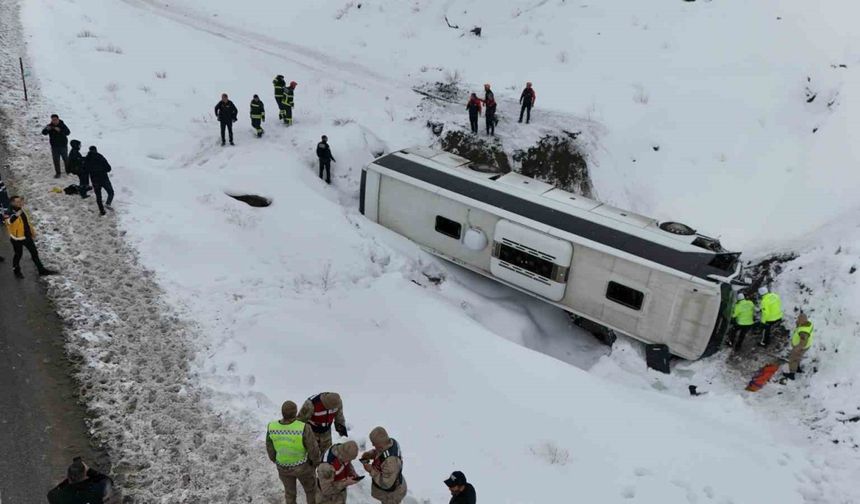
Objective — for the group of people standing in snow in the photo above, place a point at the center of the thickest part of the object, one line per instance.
(473, 106)
(770, 314)
(300, 445)
(227, 113)
(92, 171)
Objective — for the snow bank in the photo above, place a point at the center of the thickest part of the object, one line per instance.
(246, 307)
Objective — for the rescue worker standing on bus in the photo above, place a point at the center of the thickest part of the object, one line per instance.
(291, 446)
(335, 473)
(384, 463)
(771, 314)
(258, 115)
(280, 86)
(743, 315)
(320, 412)
(289, 103)
(801, 341)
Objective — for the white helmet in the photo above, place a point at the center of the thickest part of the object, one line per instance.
(740, 296)
(762, 291)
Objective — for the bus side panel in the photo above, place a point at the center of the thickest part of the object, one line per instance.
(412, 211)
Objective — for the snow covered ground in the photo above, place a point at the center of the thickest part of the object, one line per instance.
(196, 315)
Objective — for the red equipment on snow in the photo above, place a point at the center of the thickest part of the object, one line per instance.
(763, 376)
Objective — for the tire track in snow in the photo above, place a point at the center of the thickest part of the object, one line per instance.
(306, 57)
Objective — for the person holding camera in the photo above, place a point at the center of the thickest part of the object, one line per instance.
(336, 473)
(58, 135)
(82, 486)
(384, 464)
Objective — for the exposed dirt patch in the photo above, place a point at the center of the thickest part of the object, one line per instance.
(252, 199)
(477, 150)
(558, 161)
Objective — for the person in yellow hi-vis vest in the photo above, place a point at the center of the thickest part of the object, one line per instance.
(771, 314)
(291, 446)
(743, 316)
(801, 341)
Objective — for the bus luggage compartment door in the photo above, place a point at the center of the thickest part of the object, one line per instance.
(530, 259)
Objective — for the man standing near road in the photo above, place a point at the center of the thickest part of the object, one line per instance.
(289, 102)
(98, 169)
(325, 157)
(801, 341)
(462, 492)
(58, 135)
(384, 463)
(291, 446)
(527, 101)
(320, 412)
(82, 486)
(21, 234)
(770, 306)
(76, 166)
(258, 115)
(227, 114)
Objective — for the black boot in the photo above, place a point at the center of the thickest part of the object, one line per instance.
(18, 273)
(790, 376)
(46, 272)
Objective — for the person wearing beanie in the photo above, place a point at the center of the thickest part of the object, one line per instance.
(226, 113)
(490, 111)
(770, 307)
(527, 101)
(384, 463)
(321, 411)
(291, 447)
(336, 473)
(98, 168)
(82, 486)
(462, 492)
(77, 167)
(743, 315)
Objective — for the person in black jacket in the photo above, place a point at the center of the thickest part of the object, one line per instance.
(82, 486)
(76, 166)
(474, 108)
(462, 492)
(227, 114)
(98, 169)
(490, 113)
(325, 157)
(527, 99)
(58, 135)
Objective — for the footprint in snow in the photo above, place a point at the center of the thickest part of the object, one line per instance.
(628, 492)
(642, 471)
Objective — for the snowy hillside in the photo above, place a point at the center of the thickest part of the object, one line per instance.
(692, 111)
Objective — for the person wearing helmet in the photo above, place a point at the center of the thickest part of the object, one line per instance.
(490, 114)
(258, 115)
(743, 316)
(289, 103)
(770, 307)
(280, 87)
(527, 100)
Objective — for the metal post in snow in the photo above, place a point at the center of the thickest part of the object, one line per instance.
(23, 79)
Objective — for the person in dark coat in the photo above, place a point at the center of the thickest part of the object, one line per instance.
(325, 157)
(98, 168)
(527, 100)
(258, 115)
(474, 108)
(82, 486)
(490, 114)
(227, 114)
(77, 167)
(462, 492)
(280, 93)
(58, 135)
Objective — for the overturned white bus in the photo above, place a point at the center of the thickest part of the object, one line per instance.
(610, 268)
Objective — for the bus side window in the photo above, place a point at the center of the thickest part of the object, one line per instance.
(624, 295)
(448, 227)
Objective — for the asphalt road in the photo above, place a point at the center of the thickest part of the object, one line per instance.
(41, 423)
